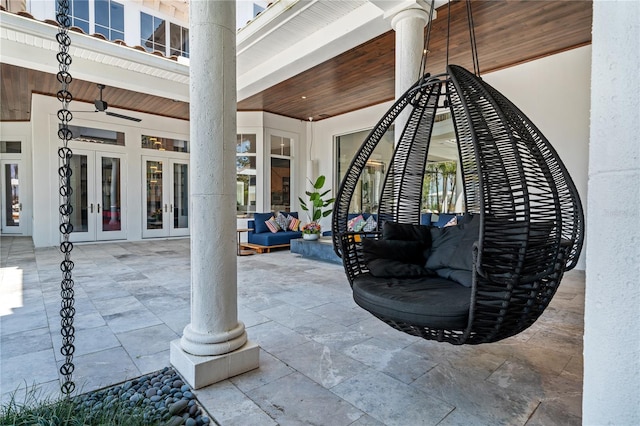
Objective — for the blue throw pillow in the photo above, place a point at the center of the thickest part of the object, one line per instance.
(260, 219)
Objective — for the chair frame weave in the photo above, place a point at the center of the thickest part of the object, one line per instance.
(531, 217)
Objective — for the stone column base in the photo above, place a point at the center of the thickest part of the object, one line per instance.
(201, 371)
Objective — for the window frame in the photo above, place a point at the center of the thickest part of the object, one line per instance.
(112, 33)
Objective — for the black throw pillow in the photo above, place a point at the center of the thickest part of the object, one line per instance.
(463, 255)
(407, 232)
(388, 268)
(402, 251)
(443, 245)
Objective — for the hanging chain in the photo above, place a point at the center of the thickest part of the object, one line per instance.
(67, 310)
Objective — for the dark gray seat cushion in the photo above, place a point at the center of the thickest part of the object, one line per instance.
(426, 301)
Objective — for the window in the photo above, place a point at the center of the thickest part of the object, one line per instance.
(110, 19)
(246, 174)
(152, 33)
(10, 147)
(369, 187)
(164, 144)
(87, 134)
(79, 11)
(439, 186)
(280, 149)
(179, 43)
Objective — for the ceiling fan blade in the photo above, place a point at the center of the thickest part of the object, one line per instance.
(126, 117)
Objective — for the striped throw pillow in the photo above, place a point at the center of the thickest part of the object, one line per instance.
(294, 223)
(272, 225)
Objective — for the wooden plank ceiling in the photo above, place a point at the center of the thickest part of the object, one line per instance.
(507, 33)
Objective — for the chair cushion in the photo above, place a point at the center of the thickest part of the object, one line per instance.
(463, 255)
(260, 219)
(402, 251)
(395, 269)
(407, 232)
(444, 242)
(430, 301)
(451, 254)
(460, 276)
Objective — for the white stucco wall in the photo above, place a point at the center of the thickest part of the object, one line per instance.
(612, 301)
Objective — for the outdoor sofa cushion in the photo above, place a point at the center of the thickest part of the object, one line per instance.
(425, 301)
(272, 239)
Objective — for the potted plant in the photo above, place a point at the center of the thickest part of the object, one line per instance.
(316, 207)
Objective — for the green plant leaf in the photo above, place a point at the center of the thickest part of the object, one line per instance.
(319, 182)
(326, 213)
(316, 215)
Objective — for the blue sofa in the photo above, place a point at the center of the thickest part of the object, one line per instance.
(262, 239)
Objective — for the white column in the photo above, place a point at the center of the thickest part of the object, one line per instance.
(612, 301)
(408, 23)
(214, 345)
(409, 27)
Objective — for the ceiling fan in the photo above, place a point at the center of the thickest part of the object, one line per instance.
(101, 106)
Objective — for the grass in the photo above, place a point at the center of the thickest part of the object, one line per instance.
(35, 410)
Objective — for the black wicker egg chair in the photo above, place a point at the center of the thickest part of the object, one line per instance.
(529, 222)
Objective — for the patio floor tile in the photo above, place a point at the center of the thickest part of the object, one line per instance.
(323, 360)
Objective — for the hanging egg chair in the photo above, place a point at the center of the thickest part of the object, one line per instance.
(522, 227)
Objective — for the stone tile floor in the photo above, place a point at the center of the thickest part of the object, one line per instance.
(323, 360)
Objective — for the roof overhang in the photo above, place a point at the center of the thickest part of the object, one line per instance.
(32, 44)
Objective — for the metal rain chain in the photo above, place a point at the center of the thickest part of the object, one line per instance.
(67, 310)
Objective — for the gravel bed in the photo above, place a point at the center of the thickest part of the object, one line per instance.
(162, 396)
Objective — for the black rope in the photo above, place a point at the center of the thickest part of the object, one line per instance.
(472, 37)
(448, 31)
(425, 48)
(67, 310)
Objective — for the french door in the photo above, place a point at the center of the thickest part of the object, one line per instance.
(98, 197)
(12, 220)
(166, 197)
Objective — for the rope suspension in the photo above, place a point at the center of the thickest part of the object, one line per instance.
(67, 310)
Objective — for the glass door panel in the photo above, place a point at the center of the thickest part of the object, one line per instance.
(110, 207)
(11, 202)
(81, 192)
(180, 202)
(154, 195)
(111, 219)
